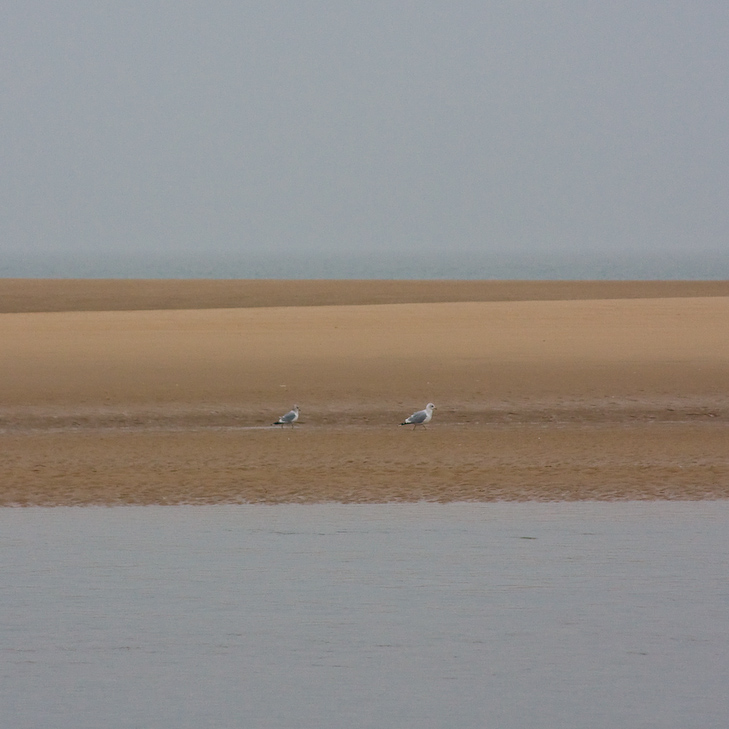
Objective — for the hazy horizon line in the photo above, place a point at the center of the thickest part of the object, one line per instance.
(539, 265)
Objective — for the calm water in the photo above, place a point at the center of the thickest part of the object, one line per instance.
(463, 615)
(449, 265)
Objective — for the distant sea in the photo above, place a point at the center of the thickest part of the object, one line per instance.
(712, 265)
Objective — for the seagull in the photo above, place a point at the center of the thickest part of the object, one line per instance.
(421, 417)
(290, 418)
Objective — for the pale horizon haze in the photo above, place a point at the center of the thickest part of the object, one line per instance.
(215, 135)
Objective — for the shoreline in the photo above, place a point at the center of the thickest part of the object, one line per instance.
(18, 295)
(570, 462)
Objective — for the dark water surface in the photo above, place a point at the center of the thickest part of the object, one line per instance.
(639, 264)
(462, 615)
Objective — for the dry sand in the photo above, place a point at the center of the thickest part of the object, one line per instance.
(545, 390)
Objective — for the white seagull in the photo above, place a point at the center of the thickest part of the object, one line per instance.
(290, 418)
(421, 417)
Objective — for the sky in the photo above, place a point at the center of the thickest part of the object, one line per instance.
(309, 127)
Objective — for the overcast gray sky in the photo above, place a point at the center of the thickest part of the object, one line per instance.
(316, 125)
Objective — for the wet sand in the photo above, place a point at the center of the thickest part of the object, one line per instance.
(43, 295)
(545, 390)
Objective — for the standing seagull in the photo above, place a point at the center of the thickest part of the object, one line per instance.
(421, 417)
(290, 418)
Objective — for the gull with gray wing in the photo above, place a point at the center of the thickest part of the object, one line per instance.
(290, 418)
(421, 417)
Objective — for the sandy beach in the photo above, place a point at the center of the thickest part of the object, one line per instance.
(119, 392)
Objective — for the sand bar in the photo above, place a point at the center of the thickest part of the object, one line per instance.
(24, 295)
(538, 398)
